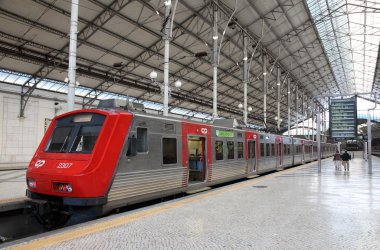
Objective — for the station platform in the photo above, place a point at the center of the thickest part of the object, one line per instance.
(12, 189)
(296, 208)
(12, 184)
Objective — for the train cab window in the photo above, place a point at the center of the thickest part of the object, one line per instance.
(85, 140)
(218, 150)
(142, 140)
(75, 133)
(240, 150)
(169, 151)
(59, 140)
(262, 146)
(230, 150)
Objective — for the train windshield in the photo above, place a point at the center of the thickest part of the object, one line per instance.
(75, 134)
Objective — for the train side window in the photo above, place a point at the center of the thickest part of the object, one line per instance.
(272, 149)
(262, 146)
(240, 150)
(218, 150)
(169, 151)
(132, 143)
(142, 140)
(268, 149)
(230, 150)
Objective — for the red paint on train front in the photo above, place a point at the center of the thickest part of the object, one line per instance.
(89, 174)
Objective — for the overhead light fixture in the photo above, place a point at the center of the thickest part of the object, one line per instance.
(118, 64)
(278, 84)
(168, 2)
(158, 13)
(201, 54)
(264, 73)
(249, 109)
(215, 37)
(178, 84)
(66, 80)
(153, 75)
(240, 106)
(245, 58)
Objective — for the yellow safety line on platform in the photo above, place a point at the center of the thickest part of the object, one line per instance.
(93, 228)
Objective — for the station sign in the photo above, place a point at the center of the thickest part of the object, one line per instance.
(343, 118)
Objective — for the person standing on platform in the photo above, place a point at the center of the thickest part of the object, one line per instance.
(337, 160)
(345, 158)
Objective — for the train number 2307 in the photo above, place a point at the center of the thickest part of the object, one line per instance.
(64, 165)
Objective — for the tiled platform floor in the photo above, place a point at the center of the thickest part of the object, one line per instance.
(292, 209)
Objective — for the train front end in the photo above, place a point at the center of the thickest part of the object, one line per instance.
(74, 164)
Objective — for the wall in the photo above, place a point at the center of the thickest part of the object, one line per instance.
(20, 137)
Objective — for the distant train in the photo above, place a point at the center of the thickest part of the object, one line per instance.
(94, 161)
(353, 145)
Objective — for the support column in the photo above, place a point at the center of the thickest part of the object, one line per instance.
(265, 90)
(319, 140)
(215, 64)
(245, 77)
(166, 38)
(297, 110)
(308, 119)
(324, 125)
(313, 120)
(288, 105)
(303, 113)
(72, 55)
(369, 147)
(278, 98)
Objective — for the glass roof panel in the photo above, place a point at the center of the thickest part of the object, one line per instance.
(350, 33)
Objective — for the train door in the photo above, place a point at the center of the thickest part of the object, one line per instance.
(279, 155)
(252, 155)
(196, 158)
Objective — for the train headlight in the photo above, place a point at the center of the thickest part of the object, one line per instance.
(62, 187)
(31, 183)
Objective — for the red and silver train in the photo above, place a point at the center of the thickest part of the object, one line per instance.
(96, 160)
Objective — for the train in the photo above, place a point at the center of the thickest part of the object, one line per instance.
(93, 161)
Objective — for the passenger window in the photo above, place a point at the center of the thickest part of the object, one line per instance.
(142, 140)
(169, 151)
(218, 150)
(268, 149)
(240, 150)
(272, 149)
(231, 150)
(262, 146)
(132, 142)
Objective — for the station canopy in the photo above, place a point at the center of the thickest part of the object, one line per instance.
(321, 47)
